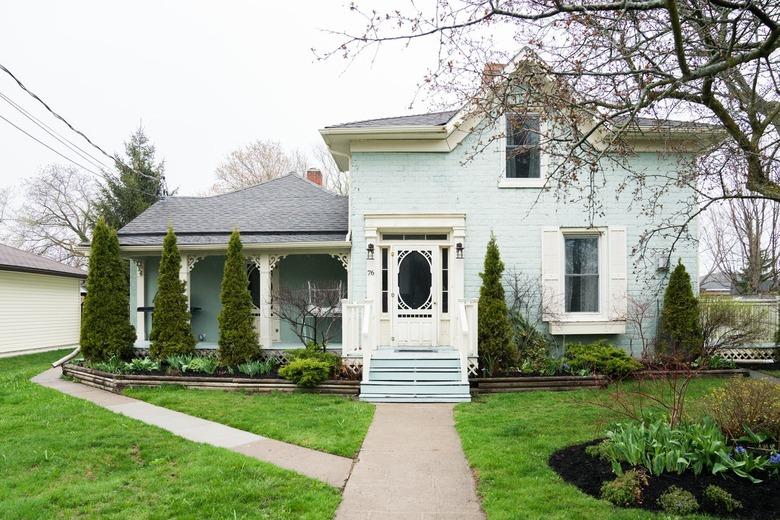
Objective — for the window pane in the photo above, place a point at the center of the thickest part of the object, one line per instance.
(582, 274)
(582, 293)
(582, 255)
(522, 147)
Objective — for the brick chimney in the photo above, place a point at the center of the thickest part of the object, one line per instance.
(314, 175)
(491, 72)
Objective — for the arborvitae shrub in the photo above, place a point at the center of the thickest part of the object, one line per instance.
(680, 334)
(171, 328)
(496, 352)
(237, 337)
(106, 331)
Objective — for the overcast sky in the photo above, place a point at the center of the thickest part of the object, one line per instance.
(201, 77)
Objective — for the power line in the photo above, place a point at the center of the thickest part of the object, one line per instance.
(56, 135)
(47, 146)
(163, 186)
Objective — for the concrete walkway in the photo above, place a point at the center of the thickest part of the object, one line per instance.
(411, 467)
(315, 464)
(755, 374)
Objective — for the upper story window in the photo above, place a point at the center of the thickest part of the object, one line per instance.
(581, 273)
(522, 147)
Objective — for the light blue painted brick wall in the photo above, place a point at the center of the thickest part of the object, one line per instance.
(447, 182)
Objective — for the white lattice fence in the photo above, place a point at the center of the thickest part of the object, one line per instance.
(749, 354)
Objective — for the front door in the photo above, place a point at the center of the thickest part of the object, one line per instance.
(414, 307)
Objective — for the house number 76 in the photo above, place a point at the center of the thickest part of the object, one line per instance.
(370, 272)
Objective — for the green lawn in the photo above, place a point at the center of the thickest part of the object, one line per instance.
(323, 422)
(509, 437)
(61, 457)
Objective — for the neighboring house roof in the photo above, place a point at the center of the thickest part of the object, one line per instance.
(286, 209)
(429, 119)
(12, 259)
(717, 281)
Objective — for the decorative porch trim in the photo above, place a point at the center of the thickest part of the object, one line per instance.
(192, 260)
(343, 258)
(139, 265)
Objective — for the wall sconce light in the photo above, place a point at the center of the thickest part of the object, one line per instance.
(459, 250)
(370, 252)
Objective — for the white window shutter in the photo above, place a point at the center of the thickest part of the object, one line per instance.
(618, 272)
(552, 277)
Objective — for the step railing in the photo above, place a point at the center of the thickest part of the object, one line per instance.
(358, 337)
(466, 334)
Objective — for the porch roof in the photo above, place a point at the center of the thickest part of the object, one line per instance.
(288, 209)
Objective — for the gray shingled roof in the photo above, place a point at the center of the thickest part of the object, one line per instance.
(12, 259)
(429, 119)
(286, 209)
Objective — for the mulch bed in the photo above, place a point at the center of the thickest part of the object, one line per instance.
(759, 501)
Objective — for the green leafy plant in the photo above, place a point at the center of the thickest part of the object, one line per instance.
(494, 333)
(744, 405)
(306, 372)
(143, 365)
(254, 368)
(599, 451)
(677, 501)
(113, 365)
(204, 365)
(626, 489)
(717, 362)
(716, 496)
(315, 351)
(532, 345)
(602, 358)
(680, 333)
(180, 362)
(171, 330)
(106, 331)
(237, 337)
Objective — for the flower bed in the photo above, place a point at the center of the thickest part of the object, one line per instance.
(589, 474)
(223, 381)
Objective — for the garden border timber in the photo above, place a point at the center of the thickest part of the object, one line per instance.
(117, 382)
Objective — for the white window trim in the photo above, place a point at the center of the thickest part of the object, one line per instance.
(582, 323)
(519, 182)
(603, 252)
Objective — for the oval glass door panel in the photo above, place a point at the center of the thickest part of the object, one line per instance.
(414, 280)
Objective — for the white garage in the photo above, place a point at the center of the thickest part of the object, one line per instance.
(40, 303)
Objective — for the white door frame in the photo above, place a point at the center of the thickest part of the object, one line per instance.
(379, 224)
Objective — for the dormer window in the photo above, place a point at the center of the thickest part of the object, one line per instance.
(522, 147)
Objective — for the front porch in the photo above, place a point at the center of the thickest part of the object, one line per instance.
(278, 281)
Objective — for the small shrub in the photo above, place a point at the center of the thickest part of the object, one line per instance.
(677, 501)
(494, 331)
(716, 496)
(204, 365)
(306, 372)
(314, 351)
(626, 489)
(600, 357)
(143, 365)
(599, 451)
(680, 334)
(717, 362)
(746, 403)
(531, 344)
(254, 368)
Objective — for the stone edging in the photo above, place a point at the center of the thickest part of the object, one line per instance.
(116, 382)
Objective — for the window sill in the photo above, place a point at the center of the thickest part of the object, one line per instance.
(505, 182)
(560, 328)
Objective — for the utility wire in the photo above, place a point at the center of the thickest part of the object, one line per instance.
(47, 146)
(56, 135)
(163, 186)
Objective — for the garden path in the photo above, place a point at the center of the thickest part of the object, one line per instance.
(315, 464)
(411, 466)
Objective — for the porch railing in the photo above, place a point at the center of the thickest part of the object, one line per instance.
(465, 340)
(353, 324)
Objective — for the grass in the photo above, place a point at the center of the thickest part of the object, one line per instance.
(775, 373)
(333, 424)
(62, 457)
(508, 439)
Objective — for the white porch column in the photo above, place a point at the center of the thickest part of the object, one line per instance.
(140, 299)
(184, 276)
(263, 263)
(457, 288)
